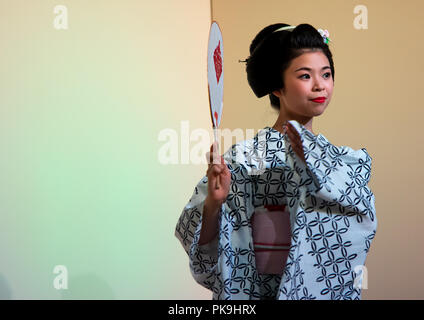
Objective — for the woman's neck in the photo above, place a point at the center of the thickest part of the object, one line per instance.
(306, 122)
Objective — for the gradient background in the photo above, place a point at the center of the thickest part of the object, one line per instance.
(82, 109)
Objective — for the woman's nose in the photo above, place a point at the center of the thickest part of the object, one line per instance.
(318, 85)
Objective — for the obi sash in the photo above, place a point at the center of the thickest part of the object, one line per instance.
(271, 238)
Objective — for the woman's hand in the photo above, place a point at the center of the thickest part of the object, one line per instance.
(295, 141)
(217, 167)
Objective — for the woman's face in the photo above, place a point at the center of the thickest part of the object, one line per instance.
(307, 77)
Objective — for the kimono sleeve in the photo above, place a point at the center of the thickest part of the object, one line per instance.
(338, 175)
(202, 258)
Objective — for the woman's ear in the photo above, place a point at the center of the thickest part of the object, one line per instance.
(277, 93)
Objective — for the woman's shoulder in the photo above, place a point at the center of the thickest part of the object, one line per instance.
(348, 153)
(320, 144)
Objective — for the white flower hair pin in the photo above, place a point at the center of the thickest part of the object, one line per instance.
(325, 35)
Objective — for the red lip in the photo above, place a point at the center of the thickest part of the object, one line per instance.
(319, 99)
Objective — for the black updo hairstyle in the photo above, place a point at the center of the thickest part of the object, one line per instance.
(271, 53)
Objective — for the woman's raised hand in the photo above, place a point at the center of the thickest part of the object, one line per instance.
(217, 167)
(295, 140)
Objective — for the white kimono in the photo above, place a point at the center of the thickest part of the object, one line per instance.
(332, 220)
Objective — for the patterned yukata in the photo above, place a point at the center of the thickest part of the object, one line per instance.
(332, 220)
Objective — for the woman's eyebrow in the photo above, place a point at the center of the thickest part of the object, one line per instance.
(309, 69)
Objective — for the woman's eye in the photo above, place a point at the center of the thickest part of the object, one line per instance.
(303, 75)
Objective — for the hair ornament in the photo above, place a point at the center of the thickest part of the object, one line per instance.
(289, 28)
(325, 35)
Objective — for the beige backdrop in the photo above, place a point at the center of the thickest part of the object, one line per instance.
(376, 104)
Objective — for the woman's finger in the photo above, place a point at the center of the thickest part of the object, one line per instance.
(217, 168)
(209, 157)
(213, 154)
(216, 158)
(296, 144)
(214, 170)
(299, 151)
(295, 139)
(212, 158)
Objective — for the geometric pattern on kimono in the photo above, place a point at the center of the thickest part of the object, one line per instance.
(332, 219)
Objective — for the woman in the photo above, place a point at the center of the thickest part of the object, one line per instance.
(322, 188)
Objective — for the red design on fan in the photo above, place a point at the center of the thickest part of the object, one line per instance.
(216, 117)
(217, 60)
